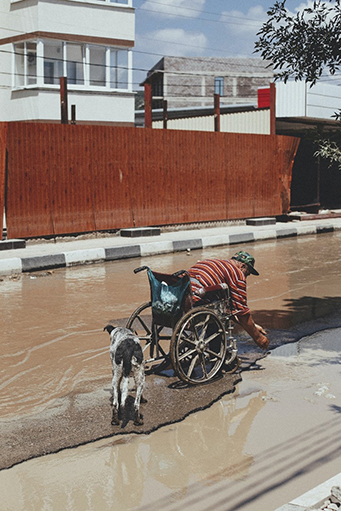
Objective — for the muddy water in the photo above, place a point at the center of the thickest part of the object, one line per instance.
(271, 441)
(52, 340)
(52, 344)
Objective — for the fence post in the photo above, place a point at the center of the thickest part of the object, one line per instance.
(73, 114)
(272, 109)
(63, 100)
(216, 112)
(165, 114)
(148, 105)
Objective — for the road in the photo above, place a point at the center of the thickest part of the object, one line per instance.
(54, 349)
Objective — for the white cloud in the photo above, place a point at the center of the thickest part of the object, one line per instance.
(304, 5)
(174, 8)
(244, 24)
(176, 41)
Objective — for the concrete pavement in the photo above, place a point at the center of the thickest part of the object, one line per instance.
(315, 499)
(62, 252)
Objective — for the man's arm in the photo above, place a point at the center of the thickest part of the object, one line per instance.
(255, 331)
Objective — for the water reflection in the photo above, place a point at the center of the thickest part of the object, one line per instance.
(121, 473)
(279, 427)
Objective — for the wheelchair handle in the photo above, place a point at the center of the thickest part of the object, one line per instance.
(180, 272)
(140, 268)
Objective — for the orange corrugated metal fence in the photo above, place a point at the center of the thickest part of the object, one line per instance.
(3, 145)
(70, 179)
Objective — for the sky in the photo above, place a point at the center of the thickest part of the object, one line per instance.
(197, 28)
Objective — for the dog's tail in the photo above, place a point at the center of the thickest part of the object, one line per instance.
(109, 329)
(126, 351)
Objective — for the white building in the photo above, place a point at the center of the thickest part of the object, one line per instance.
(88, 41)
(300, 107)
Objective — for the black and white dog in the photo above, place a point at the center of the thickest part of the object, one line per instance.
(126, 358)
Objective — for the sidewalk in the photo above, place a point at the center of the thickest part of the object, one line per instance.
(59, 253)
(315, 499)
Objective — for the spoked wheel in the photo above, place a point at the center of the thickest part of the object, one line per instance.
(154, 338)
(198, 346)
(233, 366)
(232, 361)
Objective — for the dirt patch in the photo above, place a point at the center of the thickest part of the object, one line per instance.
(85, 415)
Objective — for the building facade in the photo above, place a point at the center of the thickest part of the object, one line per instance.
(192, 81)
(88, 41)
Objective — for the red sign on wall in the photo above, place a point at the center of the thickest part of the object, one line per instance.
(264, 98)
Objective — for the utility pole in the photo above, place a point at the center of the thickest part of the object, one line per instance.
(148, 105)
(63, 100)
(216, 112)
(165, 114)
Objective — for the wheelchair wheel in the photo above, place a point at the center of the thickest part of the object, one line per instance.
(198, 346)
(154, 338)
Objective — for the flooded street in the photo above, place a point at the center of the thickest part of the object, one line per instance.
(271, 440)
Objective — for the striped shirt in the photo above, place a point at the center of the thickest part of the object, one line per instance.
(211, 272)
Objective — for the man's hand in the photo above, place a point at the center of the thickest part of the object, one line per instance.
(262, 341)
(201, 292)
(257, 332)
(260, 329)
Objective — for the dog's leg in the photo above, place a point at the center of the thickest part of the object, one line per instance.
(124, 395)
(115, 395)
(139, 382)
(124, 390)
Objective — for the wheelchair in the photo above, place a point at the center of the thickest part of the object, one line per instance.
(195, 339)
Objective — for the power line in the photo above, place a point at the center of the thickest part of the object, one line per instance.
(170, 72)
(195, 10)
(143, 9)
(200, 11)
(233, 17)
(153, 54)
(232, 61)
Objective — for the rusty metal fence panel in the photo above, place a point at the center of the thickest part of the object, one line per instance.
(3, 145)
(69, 179)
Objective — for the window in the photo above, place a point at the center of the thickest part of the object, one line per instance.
(86, 66)
(53, 62)
(75, 64)
(119, 69)
(97, 66)
(31, 52)
(219, 85)
(25, 58)
(19, 54)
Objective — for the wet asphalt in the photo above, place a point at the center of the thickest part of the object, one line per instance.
(17, 257)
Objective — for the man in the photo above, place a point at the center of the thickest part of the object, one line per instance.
(233, 273)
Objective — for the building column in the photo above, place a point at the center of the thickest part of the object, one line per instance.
(40, 63)
(130, 70)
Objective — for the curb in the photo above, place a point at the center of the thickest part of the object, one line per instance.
(78, 257)
(312, 499)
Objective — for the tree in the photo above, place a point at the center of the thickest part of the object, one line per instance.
(302, 47)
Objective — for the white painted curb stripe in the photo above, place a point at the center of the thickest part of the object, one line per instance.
(83, 256)
(10, 266)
